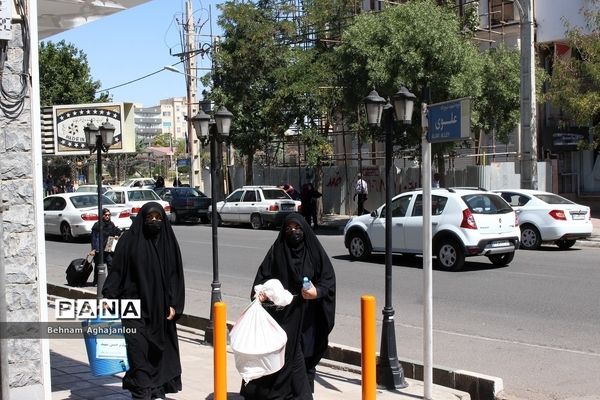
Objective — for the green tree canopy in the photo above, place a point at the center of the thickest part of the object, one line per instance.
(419, 45)
(65, 76)
(575, 80)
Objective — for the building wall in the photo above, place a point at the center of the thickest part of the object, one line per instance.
(22, 255)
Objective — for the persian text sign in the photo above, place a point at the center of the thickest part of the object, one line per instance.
(449, 121)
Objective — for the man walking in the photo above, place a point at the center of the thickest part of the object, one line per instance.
(360, 191)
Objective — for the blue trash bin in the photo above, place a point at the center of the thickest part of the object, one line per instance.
(105, 345)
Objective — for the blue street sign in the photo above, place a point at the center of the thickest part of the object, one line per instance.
(449, 121)
(183, 162)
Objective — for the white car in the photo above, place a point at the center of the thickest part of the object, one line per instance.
(135, 198)
(465, 222)
(92, 188)
(74, 214)
(140, 183)
(256, 205)
(548, 217)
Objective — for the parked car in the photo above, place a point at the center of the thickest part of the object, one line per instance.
(465, 222)
(548, 217)
(71, 215)
(140, 183)
(257, 205)
(186, 203)
(135, 198)
(92, 188)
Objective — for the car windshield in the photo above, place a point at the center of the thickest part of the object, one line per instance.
(275, 194)
(89, 200)
(484, 203)
(552, 199)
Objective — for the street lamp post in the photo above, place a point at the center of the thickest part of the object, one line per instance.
(389, 372)
(99, 139)
(214, 130)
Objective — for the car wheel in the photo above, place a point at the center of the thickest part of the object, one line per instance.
(175, 218)
(359, 246)
(564, 244)
(204, 219)
(65, 232)
(450, 255)
(530, 237)
(256, 221)
(501, 259)
(219, 221)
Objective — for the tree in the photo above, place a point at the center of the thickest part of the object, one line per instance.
(575, 80)
(419, 45)
(248, 78)
(498, 105)
(65, 76)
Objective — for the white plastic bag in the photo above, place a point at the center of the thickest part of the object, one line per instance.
(274, 290)
(258, 343)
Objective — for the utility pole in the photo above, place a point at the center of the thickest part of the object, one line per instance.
(192, 101)
(528, 137)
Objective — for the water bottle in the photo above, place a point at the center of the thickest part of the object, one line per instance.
(306, 283)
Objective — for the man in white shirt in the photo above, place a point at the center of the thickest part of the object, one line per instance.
(360, 191)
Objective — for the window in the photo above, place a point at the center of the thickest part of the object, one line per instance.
(486, 204)
(501, 11)
(250, 196)
(438, 203)
(399, 207)
(275, 194)
(235, 196)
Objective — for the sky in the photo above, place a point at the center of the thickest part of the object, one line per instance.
(136, 42)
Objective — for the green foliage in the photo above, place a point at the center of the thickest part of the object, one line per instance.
(418, 45)
(575, 81)
(65, 76)
(250, 74)
(498, 106)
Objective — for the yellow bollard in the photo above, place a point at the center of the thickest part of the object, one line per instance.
(368, 344)
(220, 350)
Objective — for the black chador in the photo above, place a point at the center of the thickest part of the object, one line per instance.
(297, 253)
(147, 266)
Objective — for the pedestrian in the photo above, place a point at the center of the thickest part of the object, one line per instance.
(160, 183)
(176, 182)
(307, 320)
(49, 185)
(361, 190)
(293, 193)
(435, 183)
(147, 266)
(309, 197)
(99, 243)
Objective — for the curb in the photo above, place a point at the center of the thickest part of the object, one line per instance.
(345, 358)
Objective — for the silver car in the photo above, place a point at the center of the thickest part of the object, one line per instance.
(71, 215)
(257, 205)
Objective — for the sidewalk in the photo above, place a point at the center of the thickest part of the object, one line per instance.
(72, 379)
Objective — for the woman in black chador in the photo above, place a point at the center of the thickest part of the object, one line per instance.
(307, 321)
(147, 266)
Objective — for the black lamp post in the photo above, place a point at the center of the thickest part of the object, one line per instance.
(389, 371)
(99, 139)
(214, 130)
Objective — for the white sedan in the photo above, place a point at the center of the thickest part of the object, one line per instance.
(74, 214)
(135, 198)
(548, 217)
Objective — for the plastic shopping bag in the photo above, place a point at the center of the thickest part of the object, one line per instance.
(258, 343)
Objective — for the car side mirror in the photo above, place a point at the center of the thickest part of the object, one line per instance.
(374, 213)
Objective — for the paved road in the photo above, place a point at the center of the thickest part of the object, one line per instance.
(535, 323)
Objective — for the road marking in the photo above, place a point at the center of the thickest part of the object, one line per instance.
(517, 342)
